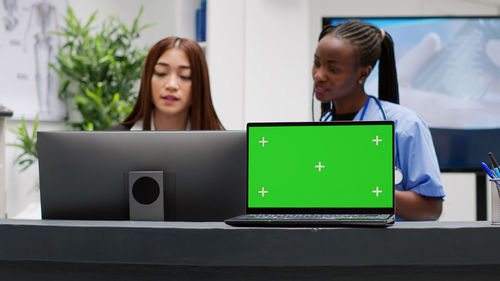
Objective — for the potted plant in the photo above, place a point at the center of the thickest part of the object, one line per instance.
(27, 142)
(99, 69)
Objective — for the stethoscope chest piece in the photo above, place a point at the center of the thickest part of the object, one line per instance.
(398, 176)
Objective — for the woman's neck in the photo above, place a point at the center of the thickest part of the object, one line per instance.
(352, 103)
(164, 122)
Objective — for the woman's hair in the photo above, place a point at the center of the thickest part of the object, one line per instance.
(202, 113)
(370, 44)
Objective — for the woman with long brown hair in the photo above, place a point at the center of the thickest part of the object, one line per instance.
(175, 90)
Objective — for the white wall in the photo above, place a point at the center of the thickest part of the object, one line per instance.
(260, 57)
(160, 12)
(185, 18)
(460, 201)
(2, 165)
(257, 54)
(276, 60)
(226, 60)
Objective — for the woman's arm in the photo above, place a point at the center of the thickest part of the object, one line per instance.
(420, 195)
(412, 206)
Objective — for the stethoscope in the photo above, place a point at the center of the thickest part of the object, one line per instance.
(398, 175)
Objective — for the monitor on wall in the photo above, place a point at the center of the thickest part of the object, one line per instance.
(448, 68)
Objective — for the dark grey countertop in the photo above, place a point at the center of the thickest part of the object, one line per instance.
(217, 244)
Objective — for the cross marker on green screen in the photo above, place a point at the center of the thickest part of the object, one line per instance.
(263, 192)
(319, 166)
(376, 140)
(263, 141)
(376, 191)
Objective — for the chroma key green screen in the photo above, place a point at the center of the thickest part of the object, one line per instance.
(320, 166)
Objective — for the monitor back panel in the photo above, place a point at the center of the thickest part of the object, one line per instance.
(83, 174)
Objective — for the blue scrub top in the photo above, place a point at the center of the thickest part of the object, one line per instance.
(414, 149)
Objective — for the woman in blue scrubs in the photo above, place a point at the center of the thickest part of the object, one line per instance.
(345, 56)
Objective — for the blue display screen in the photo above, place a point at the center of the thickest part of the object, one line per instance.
(448, 68)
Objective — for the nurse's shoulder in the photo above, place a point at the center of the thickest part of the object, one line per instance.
(405, 119)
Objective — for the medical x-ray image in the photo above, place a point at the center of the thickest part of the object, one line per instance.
(43, 19)
(27, 84)
(10, 20)
(448, 68)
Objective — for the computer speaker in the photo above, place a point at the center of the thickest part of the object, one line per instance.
(146, 195)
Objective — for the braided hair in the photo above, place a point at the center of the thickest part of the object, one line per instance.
(370, 44)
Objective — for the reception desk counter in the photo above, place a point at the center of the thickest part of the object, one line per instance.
(126, 250)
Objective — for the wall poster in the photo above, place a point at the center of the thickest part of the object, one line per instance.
(28, 86)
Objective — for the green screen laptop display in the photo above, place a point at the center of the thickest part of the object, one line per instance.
(343, 165)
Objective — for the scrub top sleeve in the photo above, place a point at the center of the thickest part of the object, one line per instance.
(418, 159)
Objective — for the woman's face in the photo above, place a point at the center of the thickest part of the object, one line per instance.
(335, 71)
(171, 83)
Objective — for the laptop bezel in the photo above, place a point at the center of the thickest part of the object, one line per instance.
(358, 210)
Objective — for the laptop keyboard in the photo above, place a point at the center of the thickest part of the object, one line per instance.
(317, 216)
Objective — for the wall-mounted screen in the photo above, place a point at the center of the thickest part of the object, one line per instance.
(448, 68)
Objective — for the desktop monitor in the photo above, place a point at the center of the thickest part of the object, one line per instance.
(83, 175)
(448, 68)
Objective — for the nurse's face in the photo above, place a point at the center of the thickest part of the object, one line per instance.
(335, 71)
(171, 83)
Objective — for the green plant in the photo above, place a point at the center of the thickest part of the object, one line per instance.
(99, 68)
(28, 144)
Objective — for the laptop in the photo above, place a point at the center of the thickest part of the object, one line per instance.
(319, 174)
